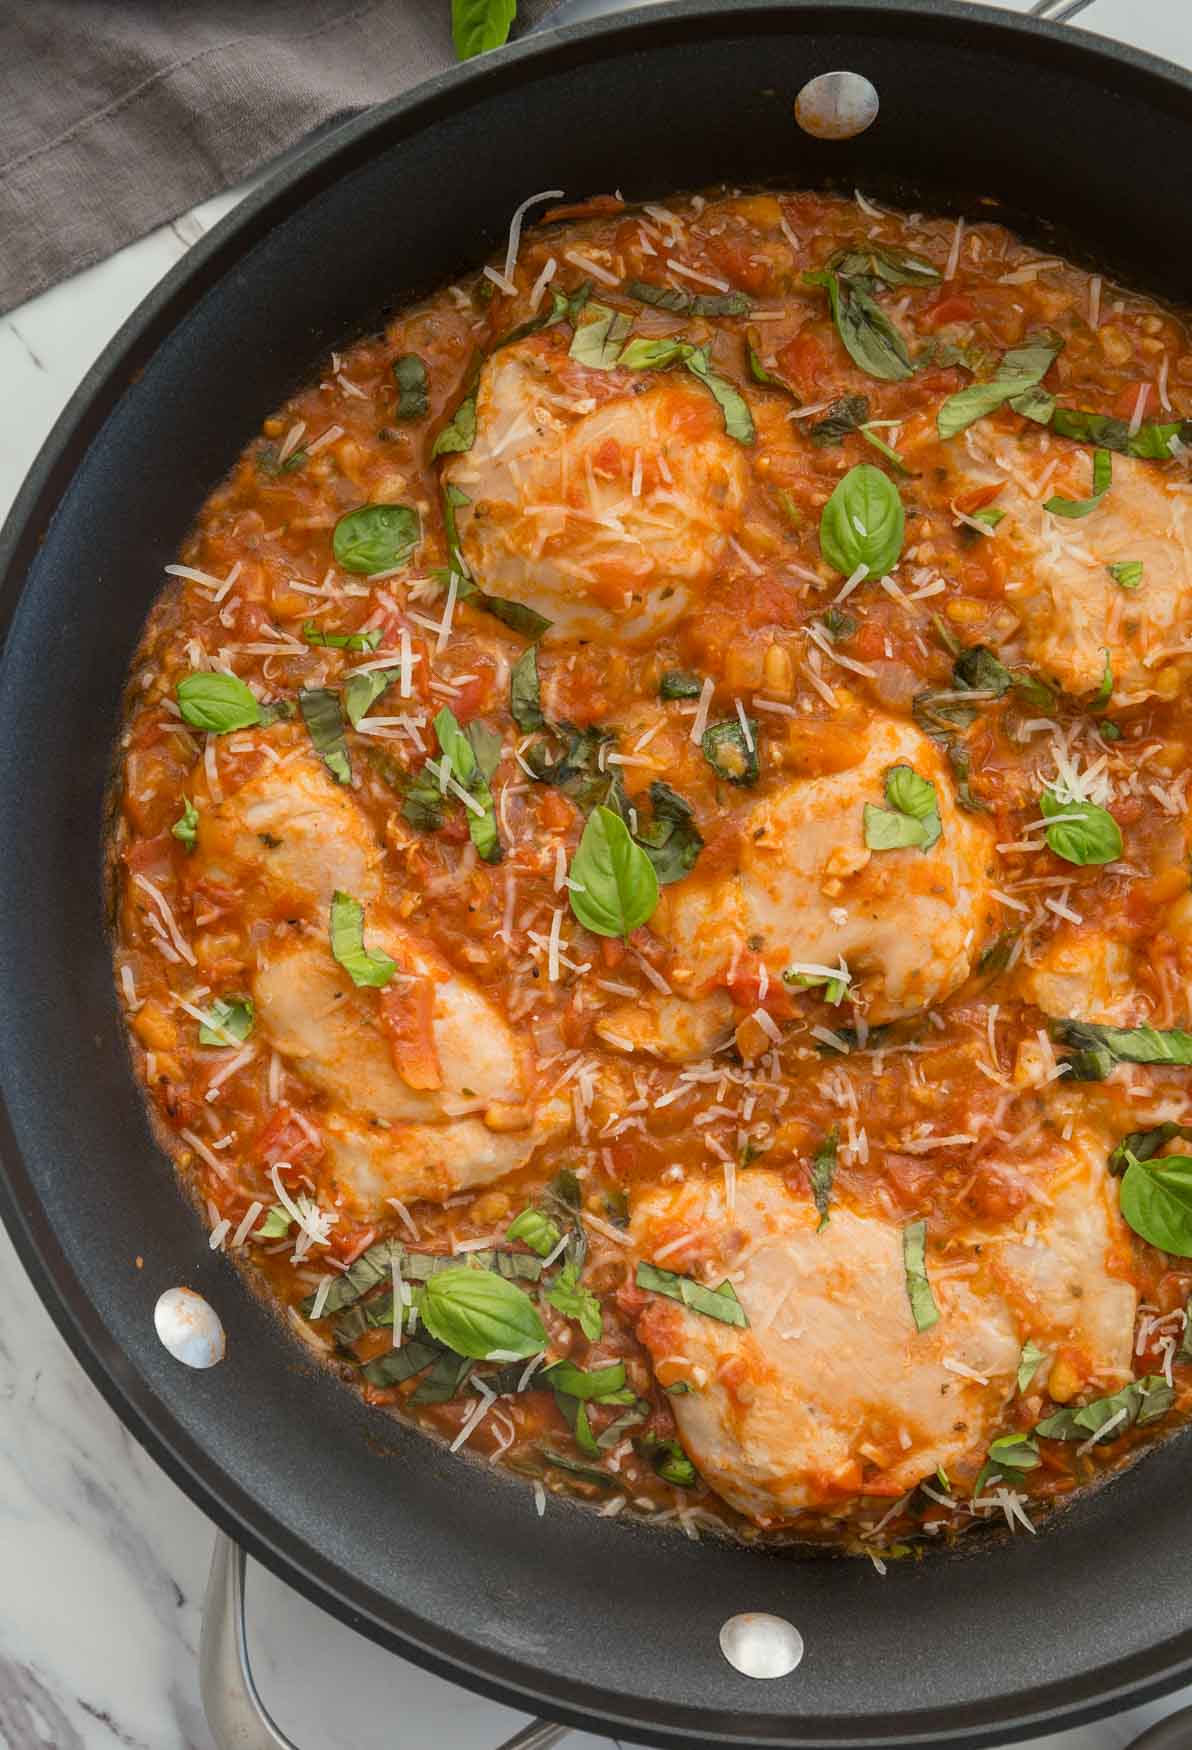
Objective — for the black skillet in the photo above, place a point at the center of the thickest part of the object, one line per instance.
(1082, 144)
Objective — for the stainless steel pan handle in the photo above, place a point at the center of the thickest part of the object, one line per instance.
(1059, 10)
(236, 1716)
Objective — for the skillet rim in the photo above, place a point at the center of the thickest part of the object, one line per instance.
(220, 1495)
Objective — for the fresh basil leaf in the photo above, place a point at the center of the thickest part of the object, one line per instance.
(1028, 1363)
(267, 461)
(525, 693)
(447, 1379)
(186, 828)
(577, 772)
(1143, 1145)
(884, 263)
(361, 691)
(565, 1188)
(459, 434)
(989, 517)
(369, 640)
(1036, 404)
(1104, 692)
(276, 1225)
(231, 1021)
(863, 523)
(846, 415)
(616, 1207)
(869, 337)
(423, 804)
(364, 966)
(516, 615)
(563, 309)
(912, 817)
(1126, 1044)
(823, 1171)
(961, 762)
(217, 703)
(728, 752)
(377, 537)
(477, 25)
(834, 989)
(560, 1461)
(1156, 1201)
(671, 840)
(370, 1268)
(1150, 443)
(325, 724)
(617, 888)
(838, 625)
(669, 1460)
(597, 342)
(1093, 836)
(688, 303)
(478, 1314)
(655, 355)
(616, 1431)
(535, 1230)
(1008, 1453)
(397, 1365)
(716, 1303)
(884, 449)
(918, 1289)
(1021, 369)
(1127, 573)
(575, 1412)
(680, 683)
(1078, 507)
(1143, 1400)
(593, 1383)
(567, 1295)
(410, 375)
(980, 670)
(461, 749)
(738, 421)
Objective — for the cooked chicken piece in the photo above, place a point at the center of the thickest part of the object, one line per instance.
(831, 1391)
(909, 923)
(290, 835)
(431, 1161)
(1073, 612)
(671, 1028)
(553, 519)
(1084, 975)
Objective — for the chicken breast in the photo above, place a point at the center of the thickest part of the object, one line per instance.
(807, 890)
(831, 1391)
(1084, 975)
(553, 519)
(1073, 612)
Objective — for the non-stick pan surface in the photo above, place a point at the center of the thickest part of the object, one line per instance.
(594, 1622)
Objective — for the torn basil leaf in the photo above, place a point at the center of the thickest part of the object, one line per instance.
(738, 421)
(217, 703)
(978, 669)
(1127, 573)
(480, 25)
(474, 754)
(912, 818)
(593, 1383)
(1155, 1197)
(883, 449)
(398, 1365)
(869, 337)
(823, 1172)
(577, 771)
(838, 625)
(1142, 1145)
(918, 1289)
(377, 537)
(1111, 1045)
(883, 263)
(1104, 692)
(409, 373)
(863, 524)
(1143, 1401)
(369, 640)
(728, 751)
(568, 1296)
(716, 1303)
(1008, 1453)
(276, 1225)
(1084, 833)
(1080, 507)
(536, 1230)
(186, 828)
(1021, 370)
(559, 1461)
(325, 724)
(361, 691)
(846, 415)
(655, 355)
(669, 1460)
(423, 802)
(481, 1315)
(671, 839)
(575, 1413)
(459, 434)
(597, 342)
(1150, 443)
(231, 1021)
(525, 693)
(680, 683)
(364, 966)
(1028, 1363)
(526, 621)
(616, 889)
(688, 303)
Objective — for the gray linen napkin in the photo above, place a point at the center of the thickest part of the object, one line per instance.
(117, 115)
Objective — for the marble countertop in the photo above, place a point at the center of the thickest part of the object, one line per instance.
(104, 1560)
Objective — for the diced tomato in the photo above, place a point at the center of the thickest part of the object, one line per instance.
(595, 207)
(1127, 401)
(977, 497)
(803, 361)
(738, 260)
(951, 308)
(555, 811)
(284, 1139)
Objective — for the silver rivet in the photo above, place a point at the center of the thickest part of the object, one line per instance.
(836, 106)
(190, 1328)
(758, 1645)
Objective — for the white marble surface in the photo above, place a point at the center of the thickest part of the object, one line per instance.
(102, 1560)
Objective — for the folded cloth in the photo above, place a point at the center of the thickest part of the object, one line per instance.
(117, 115)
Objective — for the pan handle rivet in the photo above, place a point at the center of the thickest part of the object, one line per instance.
(759, 1645)
(836, 106)
(190, 1328)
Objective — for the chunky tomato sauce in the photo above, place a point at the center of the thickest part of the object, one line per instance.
(908, 1018)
